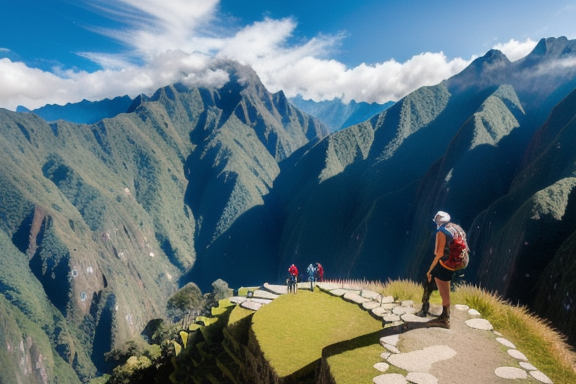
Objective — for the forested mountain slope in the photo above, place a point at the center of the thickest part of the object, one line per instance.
(103, 219)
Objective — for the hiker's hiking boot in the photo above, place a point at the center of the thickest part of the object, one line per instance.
(424, 311)
(443, 320)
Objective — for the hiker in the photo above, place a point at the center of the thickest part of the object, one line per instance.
(311, 270)
(292, 280)
(438, 276)
(319, 272)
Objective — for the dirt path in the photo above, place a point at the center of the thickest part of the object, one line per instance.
(478, 353)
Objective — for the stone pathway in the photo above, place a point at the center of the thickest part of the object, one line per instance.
(417, 363)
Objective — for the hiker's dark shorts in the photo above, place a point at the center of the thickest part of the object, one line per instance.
(442, 273)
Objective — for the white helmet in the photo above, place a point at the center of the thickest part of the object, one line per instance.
(441, 217)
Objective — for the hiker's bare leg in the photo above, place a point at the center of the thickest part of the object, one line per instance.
(444, 289)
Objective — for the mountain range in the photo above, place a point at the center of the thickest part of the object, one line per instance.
(335, 114)
(102, 222)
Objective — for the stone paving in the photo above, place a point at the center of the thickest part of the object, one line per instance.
(395, 314)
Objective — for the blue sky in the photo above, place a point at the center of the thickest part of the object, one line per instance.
(58, 51)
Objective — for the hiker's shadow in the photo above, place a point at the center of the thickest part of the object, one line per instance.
(369, 338)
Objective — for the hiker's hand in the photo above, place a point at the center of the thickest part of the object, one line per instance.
(429, 275)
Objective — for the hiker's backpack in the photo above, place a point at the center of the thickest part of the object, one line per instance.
(458, 257)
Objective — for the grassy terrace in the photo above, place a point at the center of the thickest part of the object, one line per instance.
(293, 330)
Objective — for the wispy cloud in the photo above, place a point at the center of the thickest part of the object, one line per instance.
(178, 40)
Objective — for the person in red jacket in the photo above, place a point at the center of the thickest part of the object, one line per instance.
(292, 281)
(319, 272)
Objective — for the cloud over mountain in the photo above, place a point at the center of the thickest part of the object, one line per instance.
(170, 43)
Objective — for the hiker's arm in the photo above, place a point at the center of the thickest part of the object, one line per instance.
(438, 252)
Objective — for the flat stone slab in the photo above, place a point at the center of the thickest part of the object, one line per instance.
(380, 311)
(387, 300)
(277, 289)
(527, 366)
(385, 355)
(481, 324)
(370, 305)
(260, 301)
(328, 286)
(370, 295)
(505, 342)
(237, 299)
(511, 373)
(409, 310)
(392, 340)
(341, 292)
(390, 378)
(260, 294)
(382, 367)
(388, 306)
(422, 360)
(352, 287)
(541, 377)
(355, 298)
(338, 292)
(473, 312)
(391, 348)
(407, 303)
(390, 318)
(411, 318)
(517, 354)
(461, 307)
(251, 305)
(421, 378)
(399, 311)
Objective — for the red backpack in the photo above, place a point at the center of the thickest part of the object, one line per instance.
(458, 257)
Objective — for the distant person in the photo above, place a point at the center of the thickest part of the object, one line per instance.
(292, 280)
(319, 272)
(311, 271)
(438, 276)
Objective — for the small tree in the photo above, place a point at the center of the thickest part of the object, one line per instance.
(220, 290)
(188, 298)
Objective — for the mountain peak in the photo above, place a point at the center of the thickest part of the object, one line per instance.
(551, 48)
(484, 71)
(491, 58)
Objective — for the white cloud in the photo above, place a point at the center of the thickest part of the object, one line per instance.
(34, 88)
(327, 79)
(169, 41)
(515, 50)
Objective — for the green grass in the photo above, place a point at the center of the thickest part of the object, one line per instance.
(354, 364)
(293, 330)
